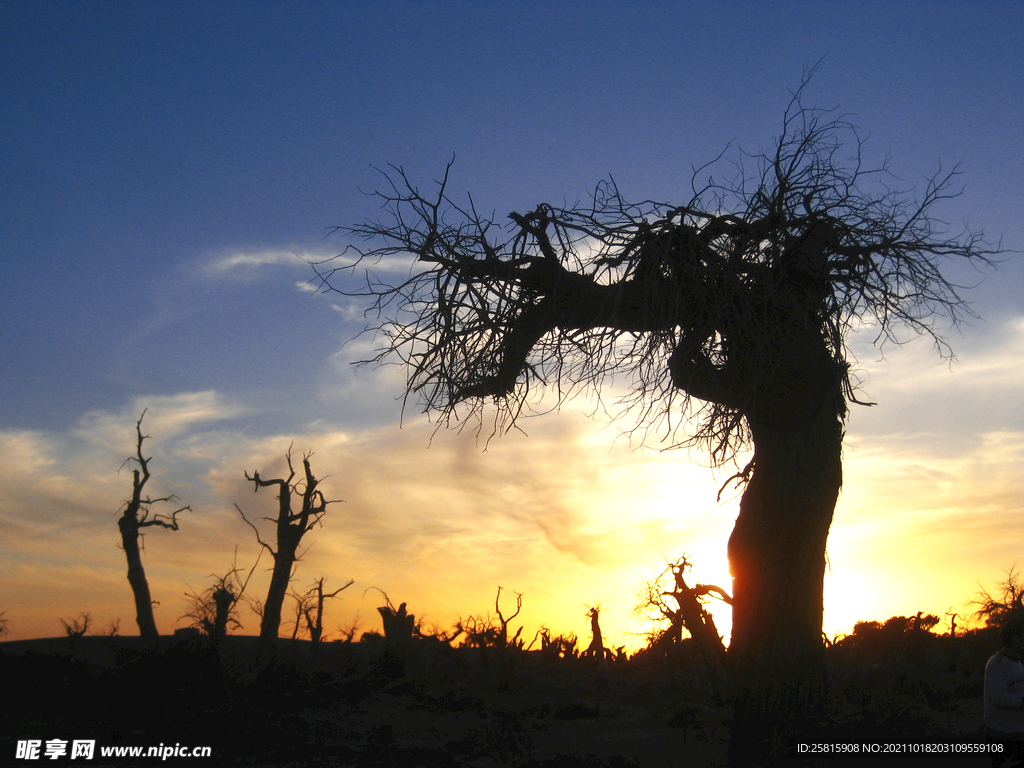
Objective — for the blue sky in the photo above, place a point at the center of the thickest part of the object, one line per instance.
(167, 166)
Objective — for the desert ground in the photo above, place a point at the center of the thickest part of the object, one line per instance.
(427, 704)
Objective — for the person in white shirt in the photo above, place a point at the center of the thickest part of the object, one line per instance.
(1004, 689)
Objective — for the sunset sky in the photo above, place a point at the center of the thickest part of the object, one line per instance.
(169, 168)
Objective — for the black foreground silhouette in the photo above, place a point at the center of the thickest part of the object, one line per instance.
(424, 703)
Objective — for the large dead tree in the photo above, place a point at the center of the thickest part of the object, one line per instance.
(290, 526)
(729, 313)
(134, 518)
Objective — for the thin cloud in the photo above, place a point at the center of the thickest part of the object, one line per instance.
(940, 407)
(170, 415)
(240, 263)
(344, 270)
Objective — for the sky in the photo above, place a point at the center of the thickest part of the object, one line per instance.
(171, 168)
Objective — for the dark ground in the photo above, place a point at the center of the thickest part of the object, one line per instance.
(364, 704)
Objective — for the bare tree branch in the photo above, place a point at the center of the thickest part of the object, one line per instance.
(1009, 600)
(569, 298)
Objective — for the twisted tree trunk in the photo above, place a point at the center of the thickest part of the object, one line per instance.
(284, 561)
(777, 556)
(129, 526)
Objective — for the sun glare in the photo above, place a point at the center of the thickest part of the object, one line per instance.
(848, 599)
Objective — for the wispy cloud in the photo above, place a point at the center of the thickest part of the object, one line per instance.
(245, 263)
(322, 270)
(168, 415)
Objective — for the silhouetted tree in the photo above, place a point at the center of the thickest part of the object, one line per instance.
(302, 602)
(290, 527)
(77, 627)
(481, 631)
(670, 602)
(490, 632)
(995, 609)
(348, 631)
(133, 519)
(923, 622)
(4, 627)
(213, 610)
(730, 312)
(558, 647)
(902, 636)
(399, 625)
(894, 626)
(310, 607)
(952, 616)
(866, 628)
(503, 641)
(596, 649)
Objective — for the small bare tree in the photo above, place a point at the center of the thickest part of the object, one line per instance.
(348, 631)
(310, 607)
(302, 602)
(596, 649)
(213, 610)
(135, 517)
(489, 632)
(290, 527)
(952, 616)
(503, 640)
(77, 627)
(993, 610)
